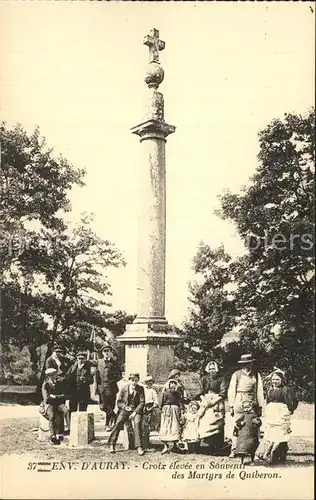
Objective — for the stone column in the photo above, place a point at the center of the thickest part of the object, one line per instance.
(152, 222)
(148, 340)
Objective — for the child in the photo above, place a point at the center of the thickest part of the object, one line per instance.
(151, 404)
(53, 406)
(170, 424)
(190, 433)
(246, 430)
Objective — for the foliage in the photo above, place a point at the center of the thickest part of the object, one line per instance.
(53, 274)
(15, 366)
(34, 186)
(212, 309)
(273, 299)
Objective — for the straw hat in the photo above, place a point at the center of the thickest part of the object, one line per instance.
(246, 358)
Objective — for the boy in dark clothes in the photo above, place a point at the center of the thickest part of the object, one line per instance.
(246, 430)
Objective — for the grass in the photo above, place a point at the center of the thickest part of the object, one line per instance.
(17, 438)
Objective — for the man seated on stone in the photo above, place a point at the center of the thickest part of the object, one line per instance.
(79, 380)
(54, 408)
(130, 402)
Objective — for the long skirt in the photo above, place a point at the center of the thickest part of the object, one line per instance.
(190, 431)
(170, 427)
(211, 425)
(276, 434)
(278, 422)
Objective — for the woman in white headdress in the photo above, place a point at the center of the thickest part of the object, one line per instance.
(281, 403)
(212, 411)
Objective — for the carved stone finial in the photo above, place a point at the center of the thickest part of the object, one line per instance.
(154, 44)
(155, 73)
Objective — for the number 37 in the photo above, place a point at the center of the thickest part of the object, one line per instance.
(31, 466)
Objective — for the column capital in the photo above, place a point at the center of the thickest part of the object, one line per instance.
(153, 129)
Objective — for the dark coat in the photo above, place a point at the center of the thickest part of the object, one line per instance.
(65, 364)
(107, 376)
(247, 431)
(80, 379)
(49, 389)
(214, 383)
(136, 401)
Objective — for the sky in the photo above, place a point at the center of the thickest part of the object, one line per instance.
(77, 70)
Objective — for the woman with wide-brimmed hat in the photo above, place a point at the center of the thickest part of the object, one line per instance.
(281, 403)
(245, 387)
(212, 419)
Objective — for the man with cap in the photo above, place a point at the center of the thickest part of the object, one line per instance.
(79, 380)
(107, 376)
(54, 405)
(245, 387)
(60, 362)
(130, 402)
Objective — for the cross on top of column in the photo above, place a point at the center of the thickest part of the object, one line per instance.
(154, 44)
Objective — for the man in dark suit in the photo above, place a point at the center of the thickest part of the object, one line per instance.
(130, 402)
(107, 376)
(79, 380)
(60, 362)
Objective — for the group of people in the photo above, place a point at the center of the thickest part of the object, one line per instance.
(183, 424)
(69, 379)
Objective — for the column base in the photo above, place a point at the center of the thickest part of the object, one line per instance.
(149, 350)
(150, 320)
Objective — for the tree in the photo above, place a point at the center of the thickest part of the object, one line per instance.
(212, 308)
(274, 296)
(34, 187)
(52, 275)
(270, 299)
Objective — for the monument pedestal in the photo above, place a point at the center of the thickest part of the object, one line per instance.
(149, 350)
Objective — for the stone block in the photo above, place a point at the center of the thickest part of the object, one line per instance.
(43, 429)
(81, 428)
(123, 441)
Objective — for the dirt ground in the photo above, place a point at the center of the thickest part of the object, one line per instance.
(91, 472)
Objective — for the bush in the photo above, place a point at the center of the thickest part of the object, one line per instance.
(15, 366)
